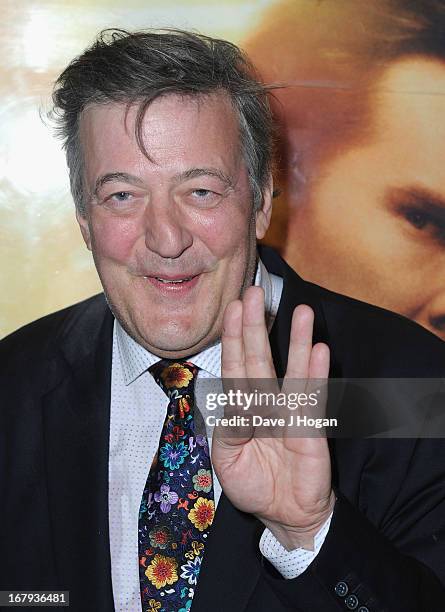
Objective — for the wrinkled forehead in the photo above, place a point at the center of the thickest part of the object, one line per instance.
(140, 119)
(174, 134)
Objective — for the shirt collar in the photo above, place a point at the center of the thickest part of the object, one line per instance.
(136, 360)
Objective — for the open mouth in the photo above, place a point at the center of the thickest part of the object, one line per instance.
(173, 283)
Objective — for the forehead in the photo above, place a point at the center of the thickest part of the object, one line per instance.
(177, 132)
(404, 148)
(410, 106)
(405, 142)
(409, 131)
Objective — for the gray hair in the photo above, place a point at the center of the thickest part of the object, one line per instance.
(139, 67)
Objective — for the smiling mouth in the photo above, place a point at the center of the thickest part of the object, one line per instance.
(173, 283)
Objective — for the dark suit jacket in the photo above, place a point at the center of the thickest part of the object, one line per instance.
(387, 537)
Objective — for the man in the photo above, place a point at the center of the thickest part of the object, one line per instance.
(168, 141)
(361, 135)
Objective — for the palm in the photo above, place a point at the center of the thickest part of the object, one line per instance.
(279, 478)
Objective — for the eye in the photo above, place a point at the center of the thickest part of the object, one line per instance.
(417, 218)
(423, 220)
(202, 193)
(203, 197)
(120, 196)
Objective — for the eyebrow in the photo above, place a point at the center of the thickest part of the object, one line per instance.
(429, 200)
(197, 172)
(124, 177)
(111, 177)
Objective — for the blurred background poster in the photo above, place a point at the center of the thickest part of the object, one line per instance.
(360, 108)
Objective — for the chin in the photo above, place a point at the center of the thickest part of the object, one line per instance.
(175, 349)
(173, 335)
(174, 341)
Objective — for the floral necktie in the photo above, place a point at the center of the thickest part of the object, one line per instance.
(177, 507)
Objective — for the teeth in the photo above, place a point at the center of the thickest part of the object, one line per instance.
(172, 281)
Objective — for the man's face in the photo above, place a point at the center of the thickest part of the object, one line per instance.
(373, 226)
(173, 236)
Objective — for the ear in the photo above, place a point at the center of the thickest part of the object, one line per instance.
(84, 228)
(264, 213)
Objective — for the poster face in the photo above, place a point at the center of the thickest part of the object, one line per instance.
(360, 110)
(361, 132)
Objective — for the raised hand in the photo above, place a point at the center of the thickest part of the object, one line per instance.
(284, 480)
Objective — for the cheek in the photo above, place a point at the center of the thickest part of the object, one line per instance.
(114, 238)
(362, 252)
(226, 236)
(347, 219)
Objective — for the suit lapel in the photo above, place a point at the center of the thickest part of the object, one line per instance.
(295, 291)
(76, 428)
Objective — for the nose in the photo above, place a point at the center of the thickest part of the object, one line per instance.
(165, 231)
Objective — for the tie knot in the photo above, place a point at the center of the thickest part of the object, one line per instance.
(175, 377)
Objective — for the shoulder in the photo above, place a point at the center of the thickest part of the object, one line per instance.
(39, 340)
(387, 343)
(365, 340)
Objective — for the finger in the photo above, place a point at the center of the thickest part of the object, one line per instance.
(300, 344)
(258, 356)
(232, 346)
(233, 370)
(319, 372)
(319, 361)
(317, 383)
